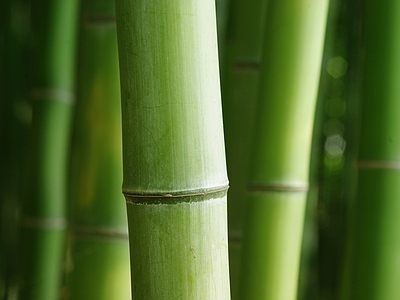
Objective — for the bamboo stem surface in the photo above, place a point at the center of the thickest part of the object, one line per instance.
(43, 222)
(99, 234)
(278, 178)
(173, 149)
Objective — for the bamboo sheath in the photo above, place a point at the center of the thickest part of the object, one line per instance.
(43, 221)
(374, 265)
(278, 178)
(173, 150)
(99, 251)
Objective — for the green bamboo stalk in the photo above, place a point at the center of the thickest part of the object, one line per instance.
(375, 269)
(53, 24)
(278, 184)
(173, 150)
(239, 81)
(99, 250)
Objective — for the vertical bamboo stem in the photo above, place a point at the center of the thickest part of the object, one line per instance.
(99, 242)
(278, 185)
(43, 212)
(173, 150)
(375, 267)
(239, 77)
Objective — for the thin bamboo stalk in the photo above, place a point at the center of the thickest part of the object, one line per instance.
(99, 242)
(173, 150)
(375, 268)
(239, 81)
(43, 212)
(278, 184)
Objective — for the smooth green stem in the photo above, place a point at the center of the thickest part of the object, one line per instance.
(99, 252)
(278, 179)
(375, 261)
(239, 81)
(179, 251)
(43, 220)
(173, 149)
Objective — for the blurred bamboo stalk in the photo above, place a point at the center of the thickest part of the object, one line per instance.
(375, 262)
(99, 241)
(278, 185)
(43, 223)
(239, 80)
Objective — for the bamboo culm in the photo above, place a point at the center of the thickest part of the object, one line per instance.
(174, 173)
(278, 181)
(99, 249)
(373, 266)
(43, 212)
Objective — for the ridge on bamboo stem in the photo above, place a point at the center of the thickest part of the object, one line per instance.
(173, 150)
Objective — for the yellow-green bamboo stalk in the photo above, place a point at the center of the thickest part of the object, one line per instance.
(278, 184)
(173, 150)
(375, 264)
(43, 224)
(99, 250)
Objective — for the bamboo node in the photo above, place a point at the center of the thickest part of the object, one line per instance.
(100, 232)
(99, 19)
(277, 188)
(249, 65)
(43, 223)
(175, 197)
(58, 95)
(378, 164)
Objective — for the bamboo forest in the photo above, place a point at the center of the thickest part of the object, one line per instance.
(199, 150)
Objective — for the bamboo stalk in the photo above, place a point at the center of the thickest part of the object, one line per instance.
(278, 184)
(239, 81)
(374, 268)
(173, 151)
(43, 212)
(99, 246)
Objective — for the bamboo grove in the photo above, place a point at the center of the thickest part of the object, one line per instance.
(185, 149)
